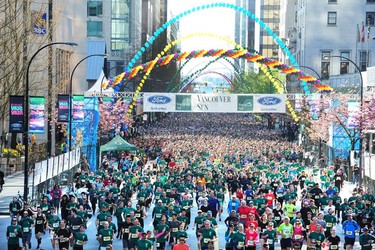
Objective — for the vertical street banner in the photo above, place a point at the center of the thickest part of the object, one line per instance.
(16, 114)
(39, 22)
(78, 108)
(37, 115)
(63, 108)
(353, 114)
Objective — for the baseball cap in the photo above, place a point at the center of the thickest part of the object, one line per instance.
(209, 212)
(160, 201)
(365, 229)
(199, 211)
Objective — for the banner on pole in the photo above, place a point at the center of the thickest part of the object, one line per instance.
(63, 108)
(214, 103)
(37, 115)
(16, 114)
(78, 108)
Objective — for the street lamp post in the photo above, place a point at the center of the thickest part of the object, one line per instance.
(71, 95)
(361, 105)
(26, 116)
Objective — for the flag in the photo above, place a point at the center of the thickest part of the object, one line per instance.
(363, 32)
(358, 34)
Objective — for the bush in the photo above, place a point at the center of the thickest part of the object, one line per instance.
(11, 153)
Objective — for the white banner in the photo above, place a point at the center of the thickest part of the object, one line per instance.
(214, 103)
(37, 173)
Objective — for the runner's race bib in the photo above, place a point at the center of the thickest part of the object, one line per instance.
(12, 235)
(329, 224)
(26, 229)
(126, 230)
(134, 235)
(106, 238)
(334, 247)
(206, 240)
(270, 241)
(240, 244)
(250, 243)
(79, 242)
(297, 237)
(349, 232)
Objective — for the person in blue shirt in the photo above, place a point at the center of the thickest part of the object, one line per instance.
(350, 228)
(233, 204)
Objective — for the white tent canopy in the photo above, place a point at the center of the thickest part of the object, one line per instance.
(95, 90)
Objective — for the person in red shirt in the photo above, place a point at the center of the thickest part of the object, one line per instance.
(253, 209)
(270, 197)
(243, 212)
(252, 221)
(251, 238)
(239, 194)
(181, 245)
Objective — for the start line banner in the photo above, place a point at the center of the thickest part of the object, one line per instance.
(214, 103)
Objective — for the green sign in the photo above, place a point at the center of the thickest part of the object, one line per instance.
(245, 102)
(183, 102)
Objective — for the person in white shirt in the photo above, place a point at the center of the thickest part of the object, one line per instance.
(330, 206)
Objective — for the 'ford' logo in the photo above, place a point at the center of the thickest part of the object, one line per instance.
(269, 100)
(159, 99)
(16, 125)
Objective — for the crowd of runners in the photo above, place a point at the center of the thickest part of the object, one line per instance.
(232, 169)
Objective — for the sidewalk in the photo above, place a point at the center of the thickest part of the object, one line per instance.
(13, 184)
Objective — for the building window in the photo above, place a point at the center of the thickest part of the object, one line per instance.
(332, 1)
(344, 63)
(332, 18)
(95, 28)
(325, 65)
(120, 9)
(95, 8)
(363, 60)
(370, 18)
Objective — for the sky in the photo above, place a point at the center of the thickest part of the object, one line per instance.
(219, 21)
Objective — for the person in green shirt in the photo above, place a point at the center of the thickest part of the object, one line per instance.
(316, 238)
(105, 235)
(330, 220)
(207, 235)
(143, 243)
(162, 232)
(290, 209)
(26, 223)
(269, 237)
(286, 232)
(239, 238)
(133, 234)
(80, 238)
(14, 233)
(366, 240)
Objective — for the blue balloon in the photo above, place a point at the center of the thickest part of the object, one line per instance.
(143, 49)
(117, 88)
(136, 57)
(193, 9)
(120, 84)
(139, 53)
(133, 60)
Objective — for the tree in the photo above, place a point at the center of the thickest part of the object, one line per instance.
(113, 116)
(369, 113)
(250, 82)
(339, 111)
